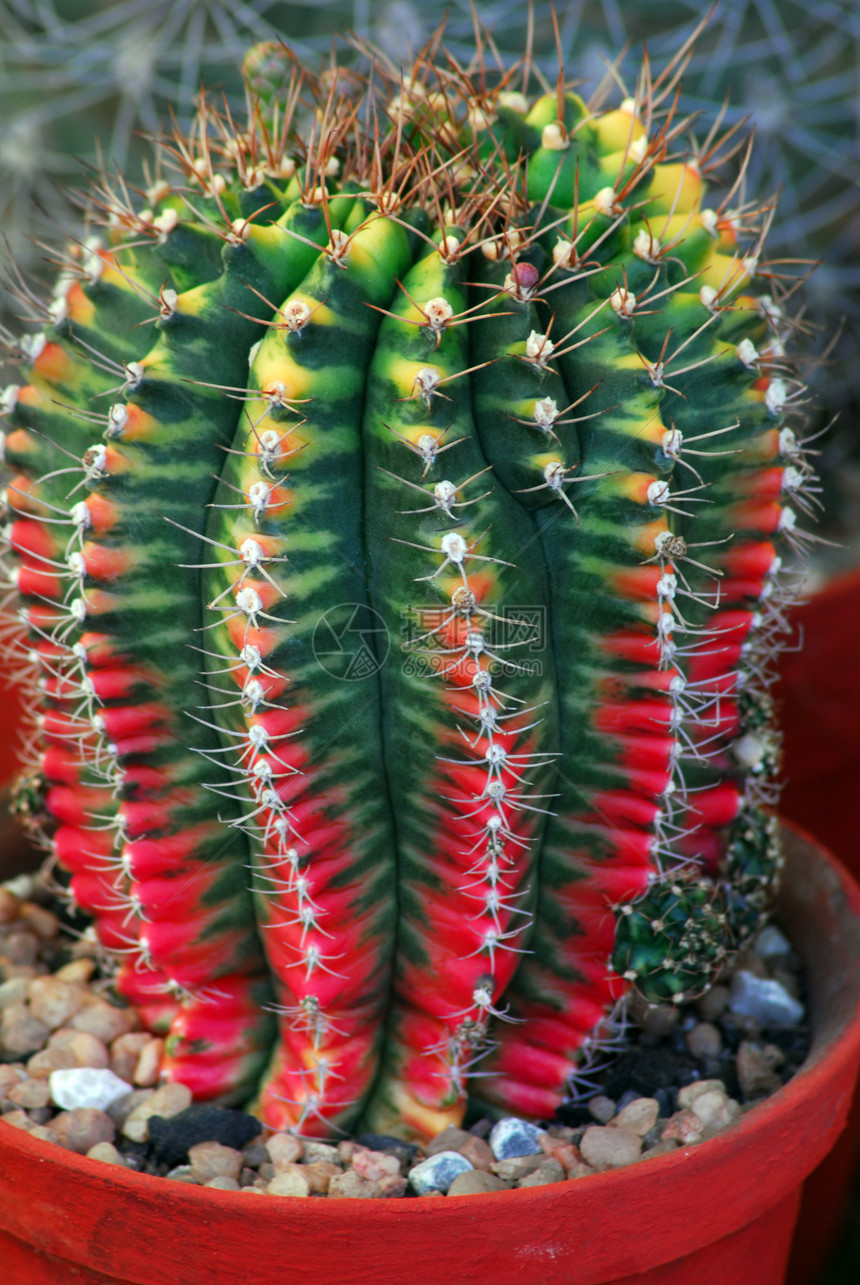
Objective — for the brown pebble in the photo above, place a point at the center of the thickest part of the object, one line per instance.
(18, 1119)
(42, 1132)
(20, 1032)
(478, 1152)
(374, 1164)
(319, 1174)
(659, 1020)
(688, 1094)
(41, 921)
(450, 1139)
(82, 1128)
(86, 1049)
(77, 970)
(604, 1147)
(102, 1020)
(29, 1094)
(210, 1160)
(716, 1110)
(550, 1171)
(284, 1149)
(291, 1181)
(125, 1052)
(10, 1073)
(713, 1003)
(601, 1108)
(345, 1152)
(704, 1040)
(476, 1182)
(21, 948)
(254, 1154)
(40, 1065)
(121, 1109)
(166, 1101)
(755, 1064)
(14, 991)
(222, 1182)
(53, 1001)
(107, 1153)
(149, 1063)
(684, 1127)
(319, 1151)
(516, 1167)
(351, 1186)
(580, 1170)
(394, 1186)
(639, 1116)
(9, 905)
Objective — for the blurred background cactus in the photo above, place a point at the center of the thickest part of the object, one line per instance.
(76, 71)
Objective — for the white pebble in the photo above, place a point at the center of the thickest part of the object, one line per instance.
(512, 1137)
(86, 1086)
(436, 1173)
(766, 1001)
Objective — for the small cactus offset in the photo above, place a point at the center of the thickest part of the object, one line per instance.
(399, 495)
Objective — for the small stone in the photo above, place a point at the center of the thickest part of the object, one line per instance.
(10, 1074)
(450, 1139)
(172, 1135)
(222, 1182)
(266, 1172)
(374, 1164)
(77, 970)
(320, 1151)
(511, 1137)
(255, 1154)
(548, 1172)
(86, 1049)
(765, 1000)
(638, 1116)
(18, 1119)
(86, 1087)
(704, 1040)
(568, 1156)
(351, 1186)
(407, 1152)
(477, 1152)
(121, 1109)
(9, 905)
(182, 1173)
(107, 1153)
(53, 1002)
(284, 1149)
(149, 1063)
(29, 1094)
(660, 1149)
(517, 1167)
(125, 1052)
(82, 1128)
(39, 920)
(102, 1020)
(43, 1064)
(290, 1181)
(755, 1067)
(20, 1032)
(319, 1174)
(683, 1127)
(247, 1176)
(167, 1101)
(210, 1160)
(437, 1172)
(581, 1170)
(659, 1020)
(713, 1003)
(14, 991)
(21, 948)
(602, 1108)
(345, 1151)
(770, 942)
(716, 1111)
(688, 1094)
(393, 1186)
(42, 1132)
(609, 1148)
(474, 1182)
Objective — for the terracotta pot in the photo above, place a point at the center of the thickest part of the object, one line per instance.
(819, 695)
(711, 1214)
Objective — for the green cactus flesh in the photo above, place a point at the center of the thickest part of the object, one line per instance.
(393, 519)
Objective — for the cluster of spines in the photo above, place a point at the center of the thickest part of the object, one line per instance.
(601, 287)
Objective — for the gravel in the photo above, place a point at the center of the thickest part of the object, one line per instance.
(688, 1072)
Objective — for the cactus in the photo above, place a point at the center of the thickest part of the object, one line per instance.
(396, 526)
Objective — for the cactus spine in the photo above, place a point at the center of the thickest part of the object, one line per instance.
(399, 617)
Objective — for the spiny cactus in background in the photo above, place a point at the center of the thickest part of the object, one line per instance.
(396, 526)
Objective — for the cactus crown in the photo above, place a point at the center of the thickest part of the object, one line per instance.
(397, 493)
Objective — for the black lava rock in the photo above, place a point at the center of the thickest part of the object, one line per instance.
(171, 1138)
(574, 1114)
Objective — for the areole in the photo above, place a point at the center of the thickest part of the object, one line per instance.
(706, 1213)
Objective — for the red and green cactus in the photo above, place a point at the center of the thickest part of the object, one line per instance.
(397, 493)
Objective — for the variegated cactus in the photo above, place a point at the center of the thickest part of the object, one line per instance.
(397, 499)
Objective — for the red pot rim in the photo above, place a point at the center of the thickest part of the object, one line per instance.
(611, 1224)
